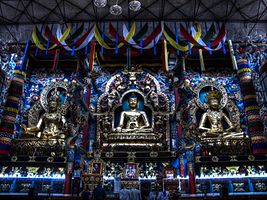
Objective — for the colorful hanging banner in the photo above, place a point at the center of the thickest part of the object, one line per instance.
(92, 55)
(39, 44)
(201, 43)
(201, 60)
(122, 40)
(165, 64)
(113, 32)
(55, 61)
(77, 33)
(100, 40)
(80, 43)
(185, 47)
(147, 43)
(72, 43)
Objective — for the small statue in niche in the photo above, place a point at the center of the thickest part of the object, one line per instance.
(119, 84)
(154, 99)
(54, 122)
(147, 84)
(133, 120)
(215, 116)
(112, 99)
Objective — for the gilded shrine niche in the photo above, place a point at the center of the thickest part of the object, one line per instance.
(211, 115)
(47, 118)
(53, 121)
(133, 112)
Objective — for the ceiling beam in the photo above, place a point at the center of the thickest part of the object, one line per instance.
(16, 9)
(25, 11)
(162, 9)
(177, 9)
(209, 9)
(44, 18)
(166, 10)
(82, 10)
(239, 9)
(50, 10)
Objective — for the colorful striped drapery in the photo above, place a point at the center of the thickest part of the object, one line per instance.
(11, 109)
(255, 125)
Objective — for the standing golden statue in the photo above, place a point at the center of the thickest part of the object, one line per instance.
(133, 120)
(214, 119)
(52, 120)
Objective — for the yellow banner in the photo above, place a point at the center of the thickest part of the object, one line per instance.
(39, 44)
(180, 47)
(100, 40)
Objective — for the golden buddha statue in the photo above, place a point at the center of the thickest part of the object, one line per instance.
(215, 117)
(53, 121)
(133, 120)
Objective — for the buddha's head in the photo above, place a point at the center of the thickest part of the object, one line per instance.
(214, 98)
(132, 101)
(53, 102)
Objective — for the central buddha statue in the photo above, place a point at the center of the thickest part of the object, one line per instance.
(214, 122)
(133, 120)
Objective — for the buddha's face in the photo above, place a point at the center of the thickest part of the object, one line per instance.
(214, 103)
(133, 102)
(53, 105)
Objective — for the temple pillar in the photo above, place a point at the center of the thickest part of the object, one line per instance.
(14, 94)
(181, 164)
(252, 109)
(86, 125)
(68, 177)
(263, 82)
(192, 178)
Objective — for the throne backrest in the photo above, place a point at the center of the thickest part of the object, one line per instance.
(194, 108)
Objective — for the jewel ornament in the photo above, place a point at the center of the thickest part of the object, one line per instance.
(100, 3)
(117, 9)
(135, 5)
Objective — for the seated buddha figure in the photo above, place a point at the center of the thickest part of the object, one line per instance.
(52, 120)
(214, 120)
(133, 120)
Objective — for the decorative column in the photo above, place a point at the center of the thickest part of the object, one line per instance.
(255, 124)
(68, 176)
(179, 102)
(179, 130)
(86, 124)
(191, 173)
(263, 82)
(14, 94)
(11, 109)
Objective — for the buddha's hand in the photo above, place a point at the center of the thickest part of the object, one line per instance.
(215, 131)
(24, 128)
(118, 129)
(229, 129)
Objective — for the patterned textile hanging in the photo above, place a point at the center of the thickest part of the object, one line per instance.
(252, 109)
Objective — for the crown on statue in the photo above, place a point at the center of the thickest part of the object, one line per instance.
(133, 96)
(213, 94)
(54, 96)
